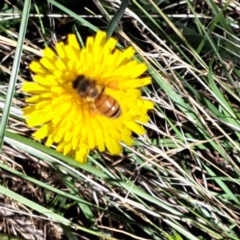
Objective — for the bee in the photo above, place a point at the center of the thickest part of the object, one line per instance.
(94, 94)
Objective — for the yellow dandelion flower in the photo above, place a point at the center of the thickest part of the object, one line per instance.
(86, 98)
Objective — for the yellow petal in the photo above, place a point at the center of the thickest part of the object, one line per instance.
(100, 40)
(72, 54)
(142, 118)
(136, 83)
(112, 146)
(60, 65)
(67, 148)
(73, 42)
(45, 80)
(33, 87)
(109, 46)
(49, 141)
(148, 104)
(38, 118)
(41, 133)
(47, 63)
(49, 53)
(60, 48)
(135, 127)
(127, 138)
(60, 147)
(37, 67)
(32, 99)
(89, 45)
(125, 56)
(81, 154)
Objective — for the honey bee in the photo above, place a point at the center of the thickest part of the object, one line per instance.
(94, 94)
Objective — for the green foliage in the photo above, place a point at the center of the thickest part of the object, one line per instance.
(181, 180)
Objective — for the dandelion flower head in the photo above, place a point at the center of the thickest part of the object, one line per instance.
(64, 118)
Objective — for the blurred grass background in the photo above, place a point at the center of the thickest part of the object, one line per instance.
(179, 181)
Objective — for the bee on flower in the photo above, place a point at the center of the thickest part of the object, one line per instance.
(86, 98)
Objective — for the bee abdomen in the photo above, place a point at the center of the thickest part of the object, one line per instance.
(108, 106)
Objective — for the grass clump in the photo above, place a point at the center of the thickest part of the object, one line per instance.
(181, 179)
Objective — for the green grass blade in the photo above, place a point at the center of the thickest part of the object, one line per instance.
(114, 21)
(16, 63)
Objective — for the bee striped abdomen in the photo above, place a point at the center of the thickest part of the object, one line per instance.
(108, 106)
